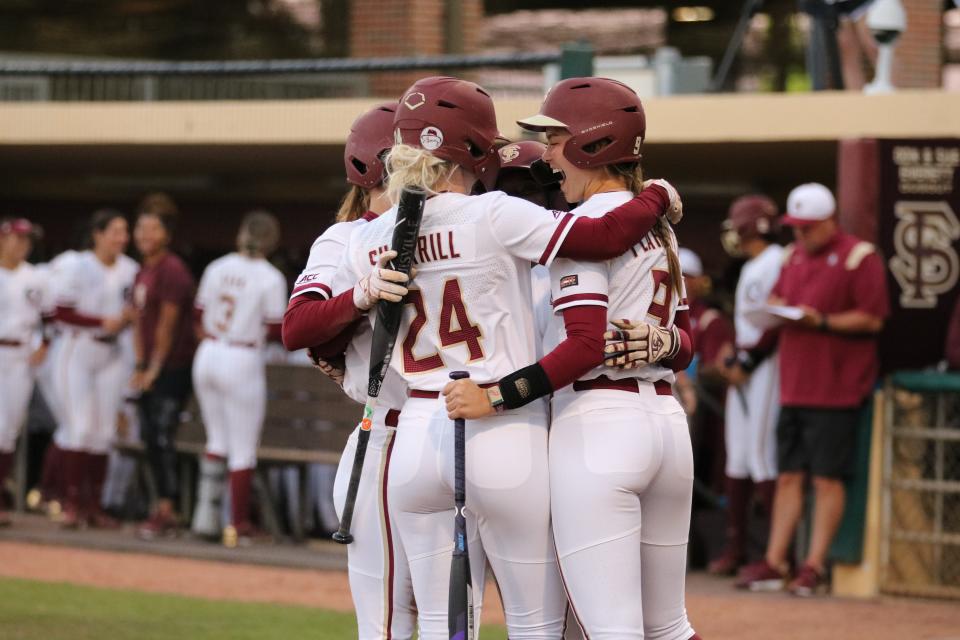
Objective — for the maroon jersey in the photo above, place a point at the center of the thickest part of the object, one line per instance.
(168, 280)
(825, 369)
(711, 331)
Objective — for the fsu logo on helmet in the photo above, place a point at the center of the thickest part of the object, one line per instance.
(510, 153)
(414, 100)
(431, 138)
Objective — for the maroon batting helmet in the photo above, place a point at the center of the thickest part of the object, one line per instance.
(520, 155)
(453, 119)
(594, 111)
(371, 135)
(749, 217)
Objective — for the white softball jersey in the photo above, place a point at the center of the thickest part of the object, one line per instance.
(469, 307)
(634, 286)
(94, 289)
(757, 279)
(23, 291)
(239, 296)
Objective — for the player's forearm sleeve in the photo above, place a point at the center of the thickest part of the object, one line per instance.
(683, 358)
(577, 354)
(612, 235)
(311, 320)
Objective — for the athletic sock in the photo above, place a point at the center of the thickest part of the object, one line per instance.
(240, 486)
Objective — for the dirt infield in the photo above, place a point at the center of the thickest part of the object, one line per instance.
(716, 610)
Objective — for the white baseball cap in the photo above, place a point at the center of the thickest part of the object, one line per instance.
(809, 203)
(690, 263)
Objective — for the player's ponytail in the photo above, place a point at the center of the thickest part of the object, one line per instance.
(409, 166)
(355, 203)
(632, 175)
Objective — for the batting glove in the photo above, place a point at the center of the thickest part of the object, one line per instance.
(333, 368)
(381, 283)
(638, 344)
(675, 208)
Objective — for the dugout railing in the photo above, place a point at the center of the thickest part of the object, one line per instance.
(506, 74)
(920, 508)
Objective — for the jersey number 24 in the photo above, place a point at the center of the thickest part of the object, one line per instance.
(455, 328)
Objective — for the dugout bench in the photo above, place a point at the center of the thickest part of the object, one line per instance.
(308, 420)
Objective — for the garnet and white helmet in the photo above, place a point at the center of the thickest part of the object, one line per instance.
(749, 216)
(453, 119)
(371, 136)
(605, 119)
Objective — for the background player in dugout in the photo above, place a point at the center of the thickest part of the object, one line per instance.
(828, 368)
(22, 293)
(94, 363)
(752, 404)
(239, 307)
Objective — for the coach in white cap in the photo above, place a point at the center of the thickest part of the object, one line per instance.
(828, 367)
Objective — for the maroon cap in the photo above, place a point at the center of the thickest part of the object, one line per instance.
(594, 110)
(453, 119)
(371, 135)
(19, 226)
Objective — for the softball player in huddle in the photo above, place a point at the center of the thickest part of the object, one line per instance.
(239, 304)
(620, 461)
(377, 567)
(471, 311)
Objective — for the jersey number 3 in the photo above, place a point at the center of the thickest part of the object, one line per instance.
(455, 328)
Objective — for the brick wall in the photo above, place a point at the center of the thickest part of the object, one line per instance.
(384, 28)
(918, 60)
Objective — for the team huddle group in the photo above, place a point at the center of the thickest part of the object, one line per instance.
(578, 505)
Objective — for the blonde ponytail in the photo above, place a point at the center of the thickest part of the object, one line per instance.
(355, 203)
(409, 166)
(632, 176)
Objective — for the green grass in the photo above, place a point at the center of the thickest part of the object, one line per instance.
(53, 611)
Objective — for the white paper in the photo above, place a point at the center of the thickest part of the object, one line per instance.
(772, 315)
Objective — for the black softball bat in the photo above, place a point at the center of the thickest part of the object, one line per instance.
(460, 605)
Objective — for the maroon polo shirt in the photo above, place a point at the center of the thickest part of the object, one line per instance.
(824, 369)
(168, 280)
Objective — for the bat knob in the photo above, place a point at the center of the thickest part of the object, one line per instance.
(342, 538)
(459, 375)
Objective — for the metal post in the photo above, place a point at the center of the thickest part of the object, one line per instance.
(576, 60)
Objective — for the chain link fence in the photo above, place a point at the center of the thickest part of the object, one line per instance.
(920, 554)
(505, 75)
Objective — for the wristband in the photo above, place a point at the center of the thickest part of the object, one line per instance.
(823, 326)
(496, 399)
(524, 386)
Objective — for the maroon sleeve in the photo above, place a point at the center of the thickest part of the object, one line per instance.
(612, 235)
(69, 315)
(870, 287)
(953, 338)
(337, 346)
(274, 332)
(682, 360)
(312, 320)
(582, 349)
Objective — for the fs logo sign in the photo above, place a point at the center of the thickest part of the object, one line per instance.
(925, 265)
